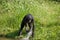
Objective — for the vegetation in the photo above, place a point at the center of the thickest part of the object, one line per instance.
(46, 14)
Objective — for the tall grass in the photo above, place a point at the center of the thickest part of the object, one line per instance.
(46, 16)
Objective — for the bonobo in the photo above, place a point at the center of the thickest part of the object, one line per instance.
(27, 20)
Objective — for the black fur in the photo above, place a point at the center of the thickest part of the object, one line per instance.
(28, 19)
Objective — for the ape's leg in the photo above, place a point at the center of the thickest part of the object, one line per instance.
(31, 28)
(20, 31)
(31, 25)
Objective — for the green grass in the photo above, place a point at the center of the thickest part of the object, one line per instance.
(46, 16)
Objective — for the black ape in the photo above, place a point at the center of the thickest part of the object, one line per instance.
(27, 20)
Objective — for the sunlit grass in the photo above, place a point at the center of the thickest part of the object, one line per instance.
(46, 16)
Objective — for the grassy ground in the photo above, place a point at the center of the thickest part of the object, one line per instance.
(46, 15)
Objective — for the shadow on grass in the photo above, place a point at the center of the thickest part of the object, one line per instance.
(14, 36)
(10, 35)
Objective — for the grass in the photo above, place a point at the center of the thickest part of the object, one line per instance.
(45, 12)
